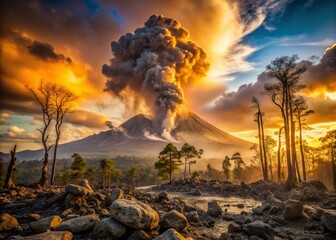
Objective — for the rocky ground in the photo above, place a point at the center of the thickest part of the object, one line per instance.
(78, 212)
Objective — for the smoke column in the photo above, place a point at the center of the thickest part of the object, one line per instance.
(154, 63)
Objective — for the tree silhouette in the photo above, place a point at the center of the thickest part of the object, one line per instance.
(107, 167)
(169, 161)
(301, 111)
(226, 167)
(287, 74)
(78, 166)
(63, 99)
(329, 142)
(188, 152)
(238, 165)
(131, 174)
(11, 167)
(43, 95)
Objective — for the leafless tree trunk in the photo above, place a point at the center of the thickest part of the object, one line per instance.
(9, 183)
(279, 155)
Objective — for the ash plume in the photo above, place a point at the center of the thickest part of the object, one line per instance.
(155, 63)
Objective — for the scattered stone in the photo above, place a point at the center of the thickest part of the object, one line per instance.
(62, 235)
(7, 222)
(139, 235)
(293, 210)
(328, 220)
(76, 190)
(192, 216)
(170, 234)
(45, 224)
(295, 195)
(85, 183)
(108, 228)
(116, 193)
(99, 196)
(162, 196)
(240, 205)
(56, 198)
(280, 220)
(173, 219)
(261, 209)
(134, 214)
(260, 229)
(214, 209)
(233, 227)
(78, 225)
(32, 217)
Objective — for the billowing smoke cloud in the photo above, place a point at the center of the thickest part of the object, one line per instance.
(155, 62)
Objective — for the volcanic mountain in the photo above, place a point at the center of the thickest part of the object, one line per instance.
(139, 136)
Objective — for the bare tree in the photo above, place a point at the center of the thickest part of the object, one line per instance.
(63, 100)
(43, 95)
(11, 167)
(301, 111)
(279, 153)
(262, 147)
(329, 143)
(287, 73)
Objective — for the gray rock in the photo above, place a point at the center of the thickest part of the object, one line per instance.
(328, 220)
(240, 205)
(45, 224)
(295, 195)
(173, 219)
(116, 193)
(134, 214)
(62, 235)
(76, 190)
(170, 234)
(197, 192)
(261, 209)
(293, 210)
(108, 228)
(139, 235)
(214, 209)
(260, 229)
(7, 222)
(233, 227)
(192, 216)
(162, 196)
(78, 225)
(85, 184)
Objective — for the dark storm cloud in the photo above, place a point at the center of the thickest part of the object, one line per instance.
(45, 51)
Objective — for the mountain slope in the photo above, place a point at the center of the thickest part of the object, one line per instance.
(139, 136)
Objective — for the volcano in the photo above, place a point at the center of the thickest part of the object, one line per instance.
(139, 136)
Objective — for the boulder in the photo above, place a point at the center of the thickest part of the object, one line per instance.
(260, 229)
(7, 222)
(139, 235)
(78, 225)
(116, 193)
(62, 235)
(108, 228)
(233, 227)
(45, 224)
(173, 219)
(170, 234)
(74, 202)
(162, 196)
(214, 209)
(293, 210)
(192, 216)
(85, 184)
(76, 190)
(197, 192)
(295, 195)
(134, 214)
(328, 220)
(261, 209)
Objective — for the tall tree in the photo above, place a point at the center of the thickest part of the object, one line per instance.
(226, 165)
(117, 173)
(107, 167)
(169, 161)
(262, 146)
(131, 174)
(43, 95)
(63, 100)
(329, 142)
(279, 133)
(287, 74)
(78, 166)
(9, 183)
(270, 144)
(238, 165)
(189, 152)
(301, 110)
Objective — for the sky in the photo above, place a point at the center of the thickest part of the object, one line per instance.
(68, 42)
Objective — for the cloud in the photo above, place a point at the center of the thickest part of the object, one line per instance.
(14, 131)
(4, 118)
(320, 80)
(87, 118)
(323, 43)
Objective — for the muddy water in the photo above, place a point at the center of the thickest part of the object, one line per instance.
(228, 204)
